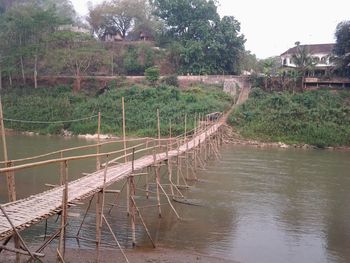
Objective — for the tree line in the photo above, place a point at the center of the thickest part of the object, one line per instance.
(189, 34)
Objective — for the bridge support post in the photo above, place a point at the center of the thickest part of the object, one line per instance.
(98, 161)
(132, 191)
(157, 175)
(98, 224)
(158, 192)
(64, 213)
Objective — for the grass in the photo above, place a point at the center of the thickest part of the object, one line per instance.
(141, 103)
(320, 118)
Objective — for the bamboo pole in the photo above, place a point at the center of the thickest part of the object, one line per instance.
(84, 217)
(124, 129)
(73, 158)
(125, 159)
(76, 148)
(10, 177)
(170, 129)
(169, 169)
(171, 205)
(64, 213)
(17, 233)
(59, 256)
(98, 224)
(143, 222)
(157, 169)
(100, 202)
(61, 170)
(115, 238)
(158, 127)
(98, 161)
(186, 154)
(131, 182)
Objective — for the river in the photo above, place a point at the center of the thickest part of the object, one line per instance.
(254, 205)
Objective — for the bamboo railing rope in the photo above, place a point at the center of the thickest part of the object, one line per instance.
(72, 158)
(74, 149)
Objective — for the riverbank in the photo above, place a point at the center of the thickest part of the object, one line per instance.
(57, 110)
(232, 136)
(140, 255)
(318, 118)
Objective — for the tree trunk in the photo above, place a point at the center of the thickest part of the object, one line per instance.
(22, 64)
(35, 71)
(22, 70)
(112, 65)
(10, 79)
(77, 81)
(0, 77)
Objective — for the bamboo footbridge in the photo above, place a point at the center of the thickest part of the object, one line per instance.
(26, 212)
(138, 157)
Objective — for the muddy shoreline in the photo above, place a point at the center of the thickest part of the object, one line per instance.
(138, 255)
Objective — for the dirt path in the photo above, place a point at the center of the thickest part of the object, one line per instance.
(243, 96)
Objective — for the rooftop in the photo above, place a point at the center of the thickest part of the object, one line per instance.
(312, 49)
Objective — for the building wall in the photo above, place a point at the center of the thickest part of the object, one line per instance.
(323, 58)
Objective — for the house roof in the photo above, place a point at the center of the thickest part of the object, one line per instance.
(312, 49)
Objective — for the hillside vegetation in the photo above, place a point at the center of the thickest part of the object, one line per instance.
(141, 103)
(320, 118)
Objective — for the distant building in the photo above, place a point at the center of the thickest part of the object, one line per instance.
(113, 37)
(321, 54)
(75, 29)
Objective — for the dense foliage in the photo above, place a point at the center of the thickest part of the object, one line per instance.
(57, 104)
(320, 118)
(203, 42)
(342, 47)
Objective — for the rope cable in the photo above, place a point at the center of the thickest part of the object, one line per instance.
(50, 122)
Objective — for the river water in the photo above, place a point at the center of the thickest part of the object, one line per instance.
(254, 205)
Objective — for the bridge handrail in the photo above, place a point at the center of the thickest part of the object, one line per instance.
(71, 149)
(190, 132)
(73, 158)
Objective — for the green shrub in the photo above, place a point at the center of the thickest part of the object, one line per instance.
(141, 104)
(171, 80)
(152, 74)
(318, 118)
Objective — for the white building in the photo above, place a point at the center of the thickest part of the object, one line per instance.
(321, 54)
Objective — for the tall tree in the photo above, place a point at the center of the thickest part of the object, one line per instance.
(342, 47)
(24, 29)
(117, 16)
(303, 61)
(206, 43)
(75, 53)
(187, 19)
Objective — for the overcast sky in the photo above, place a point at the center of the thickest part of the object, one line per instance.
(273, 26)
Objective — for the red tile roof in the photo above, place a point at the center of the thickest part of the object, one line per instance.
(312, 49)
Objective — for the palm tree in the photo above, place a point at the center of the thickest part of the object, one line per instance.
(303, 61)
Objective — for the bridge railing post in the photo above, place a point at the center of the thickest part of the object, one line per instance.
(64, 212)
(98, 148)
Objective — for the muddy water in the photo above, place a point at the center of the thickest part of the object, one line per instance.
(255, 205)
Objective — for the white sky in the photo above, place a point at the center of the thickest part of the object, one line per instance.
(273, 26)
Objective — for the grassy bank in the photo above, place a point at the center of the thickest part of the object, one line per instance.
(320, 118)
(141, 103)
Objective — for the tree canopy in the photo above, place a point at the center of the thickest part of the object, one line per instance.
(206, 43)
(118, 16)
(342, 47)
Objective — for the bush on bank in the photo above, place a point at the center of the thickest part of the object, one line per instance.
(320, 118)
(141, 103)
